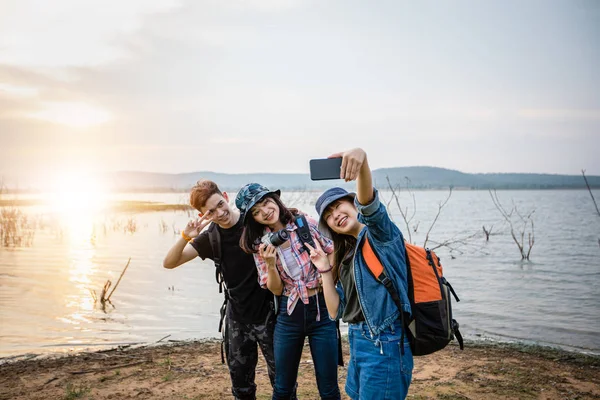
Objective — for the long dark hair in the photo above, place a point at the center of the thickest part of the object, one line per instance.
(343, 249)
(253, 231)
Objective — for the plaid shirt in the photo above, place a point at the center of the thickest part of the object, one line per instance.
(295, 289)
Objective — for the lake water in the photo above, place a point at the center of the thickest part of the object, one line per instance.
(46, 303)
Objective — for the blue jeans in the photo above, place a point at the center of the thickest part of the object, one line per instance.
(288, 341)
(377, 370)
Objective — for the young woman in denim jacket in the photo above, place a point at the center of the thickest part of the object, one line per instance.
(287, 271)
(380, 365)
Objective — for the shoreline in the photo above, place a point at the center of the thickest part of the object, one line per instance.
(516, 344)
(193, 370)
(480, 341)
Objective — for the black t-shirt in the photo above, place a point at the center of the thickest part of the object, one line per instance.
(250, 304)
(352, 313)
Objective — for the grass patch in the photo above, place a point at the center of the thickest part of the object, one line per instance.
(73, 392)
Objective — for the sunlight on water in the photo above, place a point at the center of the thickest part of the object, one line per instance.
(76, 201)
(81, 248)
(72, 194)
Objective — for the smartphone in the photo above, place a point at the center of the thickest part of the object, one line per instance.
(325, 168)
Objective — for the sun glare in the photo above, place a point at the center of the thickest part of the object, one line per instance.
(78, 115)
(73, 194)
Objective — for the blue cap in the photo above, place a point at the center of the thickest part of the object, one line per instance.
(328, 197)
(249, 195)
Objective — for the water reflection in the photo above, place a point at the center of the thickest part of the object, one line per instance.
(76, 205)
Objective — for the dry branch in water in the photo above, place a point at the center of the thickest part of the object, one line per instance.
(591, 194)
(527, 221)
(452, 244)
(440, 207)
(122, 273)
(104, 295)
(403, 212)
(487, 232)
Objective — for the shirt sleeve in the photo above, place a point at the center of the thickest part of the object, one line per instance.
(202, 245)
(375, 216)
(262, 270)
(325, 242)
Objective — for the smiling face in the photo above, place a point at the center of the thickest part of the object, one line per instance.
(341, 217)
(266, 212)
(217, 209)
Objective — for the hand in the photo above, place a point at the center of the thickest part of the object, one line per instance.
(193, 228)
(352, 162)
(318, 257)
(269, 254)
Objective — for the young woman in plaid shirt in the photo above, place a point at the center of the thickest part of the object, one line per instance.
(288, 272)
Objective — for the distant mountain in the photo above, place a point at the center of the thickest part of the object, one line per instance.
(413, 177)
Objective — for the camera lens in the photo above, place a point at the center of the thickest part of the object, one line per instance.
(278, 238)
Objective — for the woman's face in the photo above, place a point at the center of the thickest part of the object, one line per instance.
(265, 212)
(342, 217)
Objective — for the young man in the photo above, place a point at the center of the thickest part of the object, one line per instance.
(250, 319)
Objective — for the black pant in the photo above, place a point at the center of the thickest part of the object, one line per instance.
(241, 350)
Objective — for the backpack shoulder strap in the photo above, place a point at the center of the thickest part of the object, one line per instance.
(215, 243)
(376, 269)
(304, 230)
(214, 237)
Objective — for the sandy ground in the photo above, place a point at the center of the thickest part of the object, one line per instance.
(193, 370)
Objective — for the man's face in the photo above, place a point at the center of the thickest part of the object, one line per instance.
(217, 210)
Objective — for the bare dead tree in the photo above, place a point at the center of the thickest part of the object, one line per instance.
(403, 212)
(453, 244)
(487, 232)
(440, 207)
(456, 243)
(299, 196)
(526, 221)
(591, 194)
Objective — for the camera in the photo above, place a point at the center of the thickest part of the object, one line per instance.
(275, 238)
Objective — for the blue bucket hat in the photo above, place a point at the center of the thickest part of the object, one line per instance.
(249, 195)
(328, 197)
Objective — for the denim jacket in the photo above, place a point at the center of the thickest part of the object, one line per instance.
(387, 242)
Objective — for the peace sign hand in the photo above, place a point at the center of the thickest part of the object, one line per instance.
(318, 257)
(193, 228)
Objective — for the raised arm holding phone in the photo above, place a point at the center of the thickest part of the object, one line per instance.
(380, 364)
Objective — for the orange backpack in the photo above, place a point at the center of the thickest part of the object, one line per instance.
(431, 327)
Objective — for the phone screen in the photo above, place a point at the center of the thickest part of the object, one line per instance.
(325, 168)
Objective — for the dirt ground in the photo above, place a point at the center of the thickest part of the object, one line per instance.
(193, 370)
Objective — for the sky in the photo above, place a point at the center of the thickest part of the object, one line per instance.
(265, 85)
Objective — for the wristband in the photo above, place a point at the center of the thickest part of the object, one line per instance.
(327, 270)
(186, 237)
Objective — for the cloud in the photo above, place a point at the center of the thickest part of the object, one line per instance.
(34, 33)
(183, 86)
